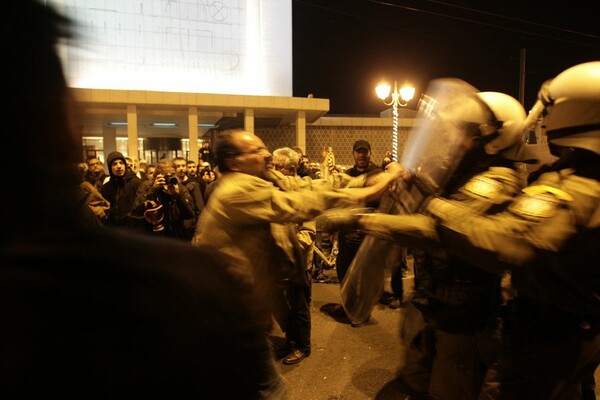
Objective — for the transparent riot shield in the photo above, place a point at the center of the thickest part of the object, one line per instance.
(363, 284)
(447, 120)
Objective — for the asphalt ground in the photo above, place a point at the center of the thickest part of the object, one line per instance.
(348, 363)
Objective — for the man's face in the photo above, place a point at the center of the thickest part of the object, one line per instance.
(282, 166)
(95, 166)
(118, 167)
(192, 169)
(207, 177)
(180, 168)
(150, 172)
(362, 157)
(132, 163)
(253, 153)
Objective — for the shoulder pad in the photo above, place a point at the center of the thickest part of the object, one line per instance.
(483, 186)
(494, 185)
(540, 201)
(541, 189)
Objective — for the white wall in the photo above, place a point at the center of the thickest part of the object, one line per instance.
(200, 46)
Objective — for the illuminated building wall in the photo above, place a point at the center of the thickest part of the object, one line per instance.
(201, 46)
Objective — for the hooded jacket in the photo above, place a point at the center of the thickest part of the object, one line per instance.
(120, 192)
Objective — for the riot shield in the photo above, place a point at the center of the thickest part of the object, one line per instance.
(363, 284)
(447, 120)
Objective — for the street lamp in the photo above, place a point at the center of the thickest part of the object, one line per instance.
(399, 98)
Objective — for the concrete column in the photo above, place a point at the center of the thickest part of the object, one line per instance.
(193, 133)
(132, 131)
(301, 130)
(249, 120)
(109, 140)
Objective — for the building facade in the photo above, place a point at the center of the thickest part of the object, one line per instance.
(147, 125)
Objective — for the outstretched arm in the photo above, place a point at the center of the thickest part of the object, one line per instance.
(378, 185)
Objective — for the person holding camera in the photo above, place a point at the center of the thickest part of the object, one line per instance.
(165, 203)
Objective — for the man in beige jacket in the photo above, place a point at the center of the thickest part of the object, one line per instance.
(244, 219)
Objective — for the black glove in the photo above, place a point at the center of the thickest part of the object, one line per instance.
(340, 219)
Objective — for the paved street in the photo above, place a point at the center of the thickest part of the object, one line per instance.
(347, 363)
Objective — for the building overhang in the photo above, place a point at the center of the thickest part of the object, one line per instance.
(100, 108)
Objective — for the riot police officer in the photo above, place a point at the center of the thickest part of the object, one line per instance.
(548, 238)
(449, 329)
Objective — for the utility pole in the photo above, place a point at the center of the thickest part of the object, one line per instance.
(522, 78)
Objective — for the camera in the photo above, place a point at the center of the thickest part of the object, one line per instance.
(171, 179)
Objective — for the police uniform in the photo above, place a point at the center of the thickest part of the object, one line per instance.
(549, 238)
(457, 303)
(461, 302)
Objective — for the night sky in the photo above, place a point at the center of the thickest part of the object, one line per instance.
(343, 48)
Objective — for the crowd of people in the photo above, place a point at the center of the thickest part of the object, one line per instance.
(133, 282)
(137, 194)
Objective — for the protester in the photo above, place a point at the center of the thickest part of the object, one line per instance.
(296, 287)
(245, 219)
(120, 191)
(165, 204)
(303, 168)
(95, 173)
(328, 166)
(206, 154)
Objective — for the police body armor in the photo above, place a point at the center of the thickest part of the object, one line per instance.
(454, 295)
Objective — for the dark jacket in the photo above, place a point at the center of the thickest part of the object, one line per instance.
(175, 210)
(207, 155)
(304, 170)
(120, 192)
(371, 169)
(197, 194)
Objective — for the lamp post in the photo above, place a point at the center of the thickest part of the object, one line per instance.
(399, 99)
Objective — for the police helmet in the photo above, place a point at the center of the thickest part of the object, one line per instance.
(573, 114)
(505, 121)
